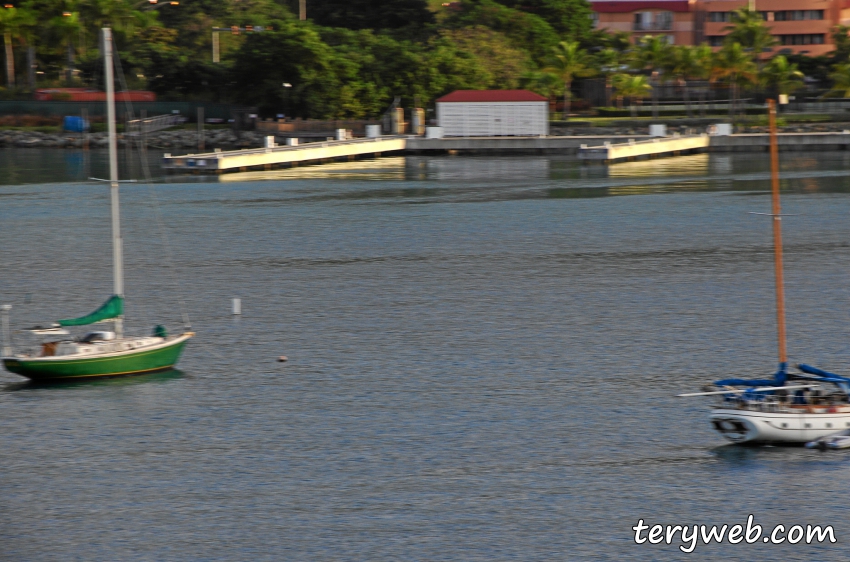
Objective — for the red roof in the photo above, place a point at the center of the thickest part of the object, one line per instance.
(491, 96)
(625, 6)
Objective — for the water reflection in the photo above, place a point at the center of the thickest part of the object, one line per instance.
(101, 382)
(466, 178)
(692, 164)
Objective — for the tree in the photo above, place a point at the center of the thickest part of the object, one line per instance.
(750, 31)
(543, 83)
(568, 61)
(371, 14)
(841, 39)
(295, 55)
(782, 75)
(632, 86)
(526, 31)
(13, 22)
(737, 68)
(840, 77)
(494, 53)
(651, 54)
(571, 19)
(67, 27)
(608, 61)
(703, 58)
(681, 64)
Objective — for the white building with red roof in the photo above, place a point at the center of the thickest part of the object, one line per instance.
(493, 113)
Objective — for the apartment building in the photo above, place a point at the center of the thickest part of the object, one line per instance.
(800, 26)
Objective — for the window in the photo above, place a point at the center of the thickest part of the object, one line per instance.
(594, 19)
(653, 21)
(715, 40)
(719, 17)
(798, 15)
(802, 39)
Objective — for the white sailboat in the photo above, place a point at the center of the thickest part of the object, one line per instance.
(791, 408)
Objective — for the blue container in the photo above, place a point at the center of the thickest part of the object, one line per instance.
(75, 124)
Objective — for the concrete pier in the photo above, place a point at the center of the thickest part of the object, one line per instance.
(260, 158)
(653, 147)
(599, 148)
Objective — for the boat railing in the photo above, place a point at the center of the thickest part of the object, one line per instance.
(771, 403)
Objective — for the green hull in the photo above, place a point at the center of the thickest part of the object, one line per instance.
(128, 363)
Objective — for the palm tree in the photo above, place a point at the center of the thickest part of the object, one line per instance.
(782, 75)
(737, 68)
(632, 86)
(543, 83)
(749, 29)
(608, 61)
(569, 61)
(682, 64)
(651, 54)
(703, 58)
(840, 77)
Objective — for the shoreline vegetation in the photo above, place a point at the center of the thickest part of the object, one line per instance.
(353, 59)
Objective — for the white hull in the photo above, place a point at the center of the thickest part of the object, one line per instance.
(792, 425)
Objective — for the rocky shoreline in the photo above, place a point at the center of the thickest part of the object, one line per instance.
(179, 139)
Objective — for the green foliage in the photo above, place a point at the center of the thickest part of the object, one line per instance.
(371, 14)
(569, 18)
(494, 54)
(526, 31)
(749, 30)
(567, 62)
(635, 87)
(734, 65)
(841, 38)
(840, 81)
(352, 58)
(782, 75)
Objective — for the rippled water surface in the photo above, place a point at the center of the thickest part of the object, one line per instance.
(484, 354)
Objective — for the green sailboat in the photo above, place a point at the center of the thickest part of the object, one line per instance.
(101, 353)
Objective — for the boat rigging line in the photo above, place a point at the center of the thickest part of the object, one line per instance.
(140, 144)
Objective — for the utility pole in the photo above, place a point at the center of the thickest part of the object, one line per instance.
(10, 60)
(200, 129)
(216, 47)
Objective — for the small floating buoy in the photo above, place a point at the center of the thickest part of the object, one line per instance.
(282, 359)
(237, 307)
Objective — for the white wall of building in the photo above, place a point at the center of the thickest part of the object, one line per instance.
(493, 119)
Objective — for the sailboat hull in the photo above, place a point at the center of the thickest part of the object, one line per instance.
(50, 369)
(764, 427)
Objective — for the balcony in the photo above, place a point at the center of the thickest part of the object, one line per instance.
(652, 26)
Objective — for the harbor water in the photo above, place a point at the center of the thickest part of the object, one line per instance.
(483, 353)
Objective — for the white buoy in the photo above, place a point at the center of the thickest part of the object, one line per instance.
(282, 359)
(237, 307)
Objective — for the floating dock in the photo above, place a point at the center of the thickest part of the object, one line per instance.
(267, 158)
(609, 152)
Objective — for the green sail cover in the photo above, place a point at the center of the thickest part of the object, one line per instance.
(112, 308)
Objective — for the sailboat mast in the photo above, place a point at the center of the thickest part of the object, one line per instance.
(117, 242)
(777, 234)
